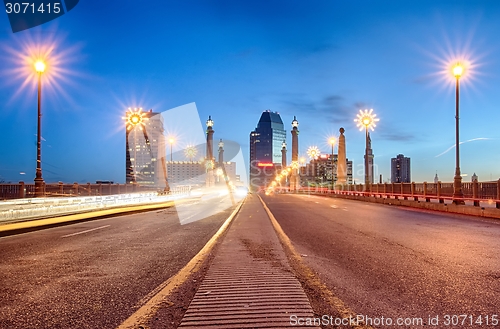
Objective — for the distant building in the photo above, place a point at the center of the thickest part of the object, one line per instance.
(400, 169)
(319, 170)
(474, 177)
(266, 143)
(145, 149)
(194, 173)
(436, 178)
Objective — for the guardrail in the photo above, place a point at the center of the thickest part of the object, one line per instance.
(30, 208)
(475, 192)
(22, 190)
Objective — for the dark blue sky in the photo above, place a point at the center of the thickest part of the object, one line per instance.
(319, 60)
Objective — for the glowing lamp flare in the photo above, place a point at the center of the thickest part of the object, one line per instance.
(40, 66)
(458, 70)
(332, 141)
(190, 151)
(313, 152)
(135, 118)
(366, 119)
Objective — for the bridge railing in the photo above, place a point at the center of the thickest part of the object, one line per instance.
(22, 190)
(472, 191)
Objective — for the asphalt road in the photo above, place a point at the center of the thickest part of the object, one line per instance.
(95, 274)
(395, 262)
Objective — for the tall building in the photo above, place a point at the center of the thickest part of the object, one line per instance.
(266, 142)
(270, 134)
(371, 176)
(145, 148)
(400, 169)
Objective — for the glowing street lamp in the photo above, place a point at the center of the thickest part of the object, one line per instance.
(367, 120)
(39, 190)
(313, 152)
(190, 152)
(457, 180)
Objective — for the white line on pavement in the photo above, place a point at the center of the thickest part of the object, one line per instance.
(92, 229)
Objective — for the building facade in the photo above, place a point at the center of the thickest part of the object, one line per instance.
(145, 150)
(400, 169)
(266, 143)
(322, 170)
(194, 173)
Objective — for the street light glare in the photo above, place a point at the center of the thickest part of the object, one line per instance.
(366, 120)
(135, 119)
(332, 141)
(458, 70)
(171, 140)
(40, 66)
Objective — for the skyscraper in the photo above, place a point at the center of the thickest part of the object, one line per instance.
(266, 142)
(400, 169)
(145, 148)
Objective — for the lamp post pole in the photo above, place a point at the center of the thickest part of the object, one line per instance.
(39, 190)
(366, 119)
(171, 140)
(457, 181)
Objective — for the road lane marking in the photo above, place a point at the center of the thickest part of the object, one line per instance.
(152, 301)
(312, 279)
(86, 231)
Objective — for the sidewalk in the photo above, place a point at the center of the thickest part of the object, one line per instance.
(249, 284)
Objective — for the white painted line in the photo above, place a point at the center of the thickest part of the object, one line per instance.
(92, 229)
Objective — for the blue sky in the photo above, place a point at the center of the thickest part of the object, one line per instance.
(319, 60)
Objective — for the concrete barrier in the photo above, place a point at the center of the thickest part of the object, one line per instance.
(441, 207)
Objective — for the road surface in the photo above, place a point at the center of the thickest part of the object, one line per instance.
(397, 262)
(94, 274)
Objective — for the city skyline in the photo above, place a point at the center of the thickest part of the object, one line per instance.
(321, 62)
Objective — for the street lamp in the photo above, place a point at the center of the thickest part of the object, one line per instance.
(457, 181)
(313, 152)
(366, 119)
(190, 152)
(39, 190)
(332, 142)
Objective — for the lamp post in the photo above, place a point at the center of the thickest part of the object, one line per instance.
(39, 190)
(457, 181)
(332, 142)
(171, 141)
(366, 119)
